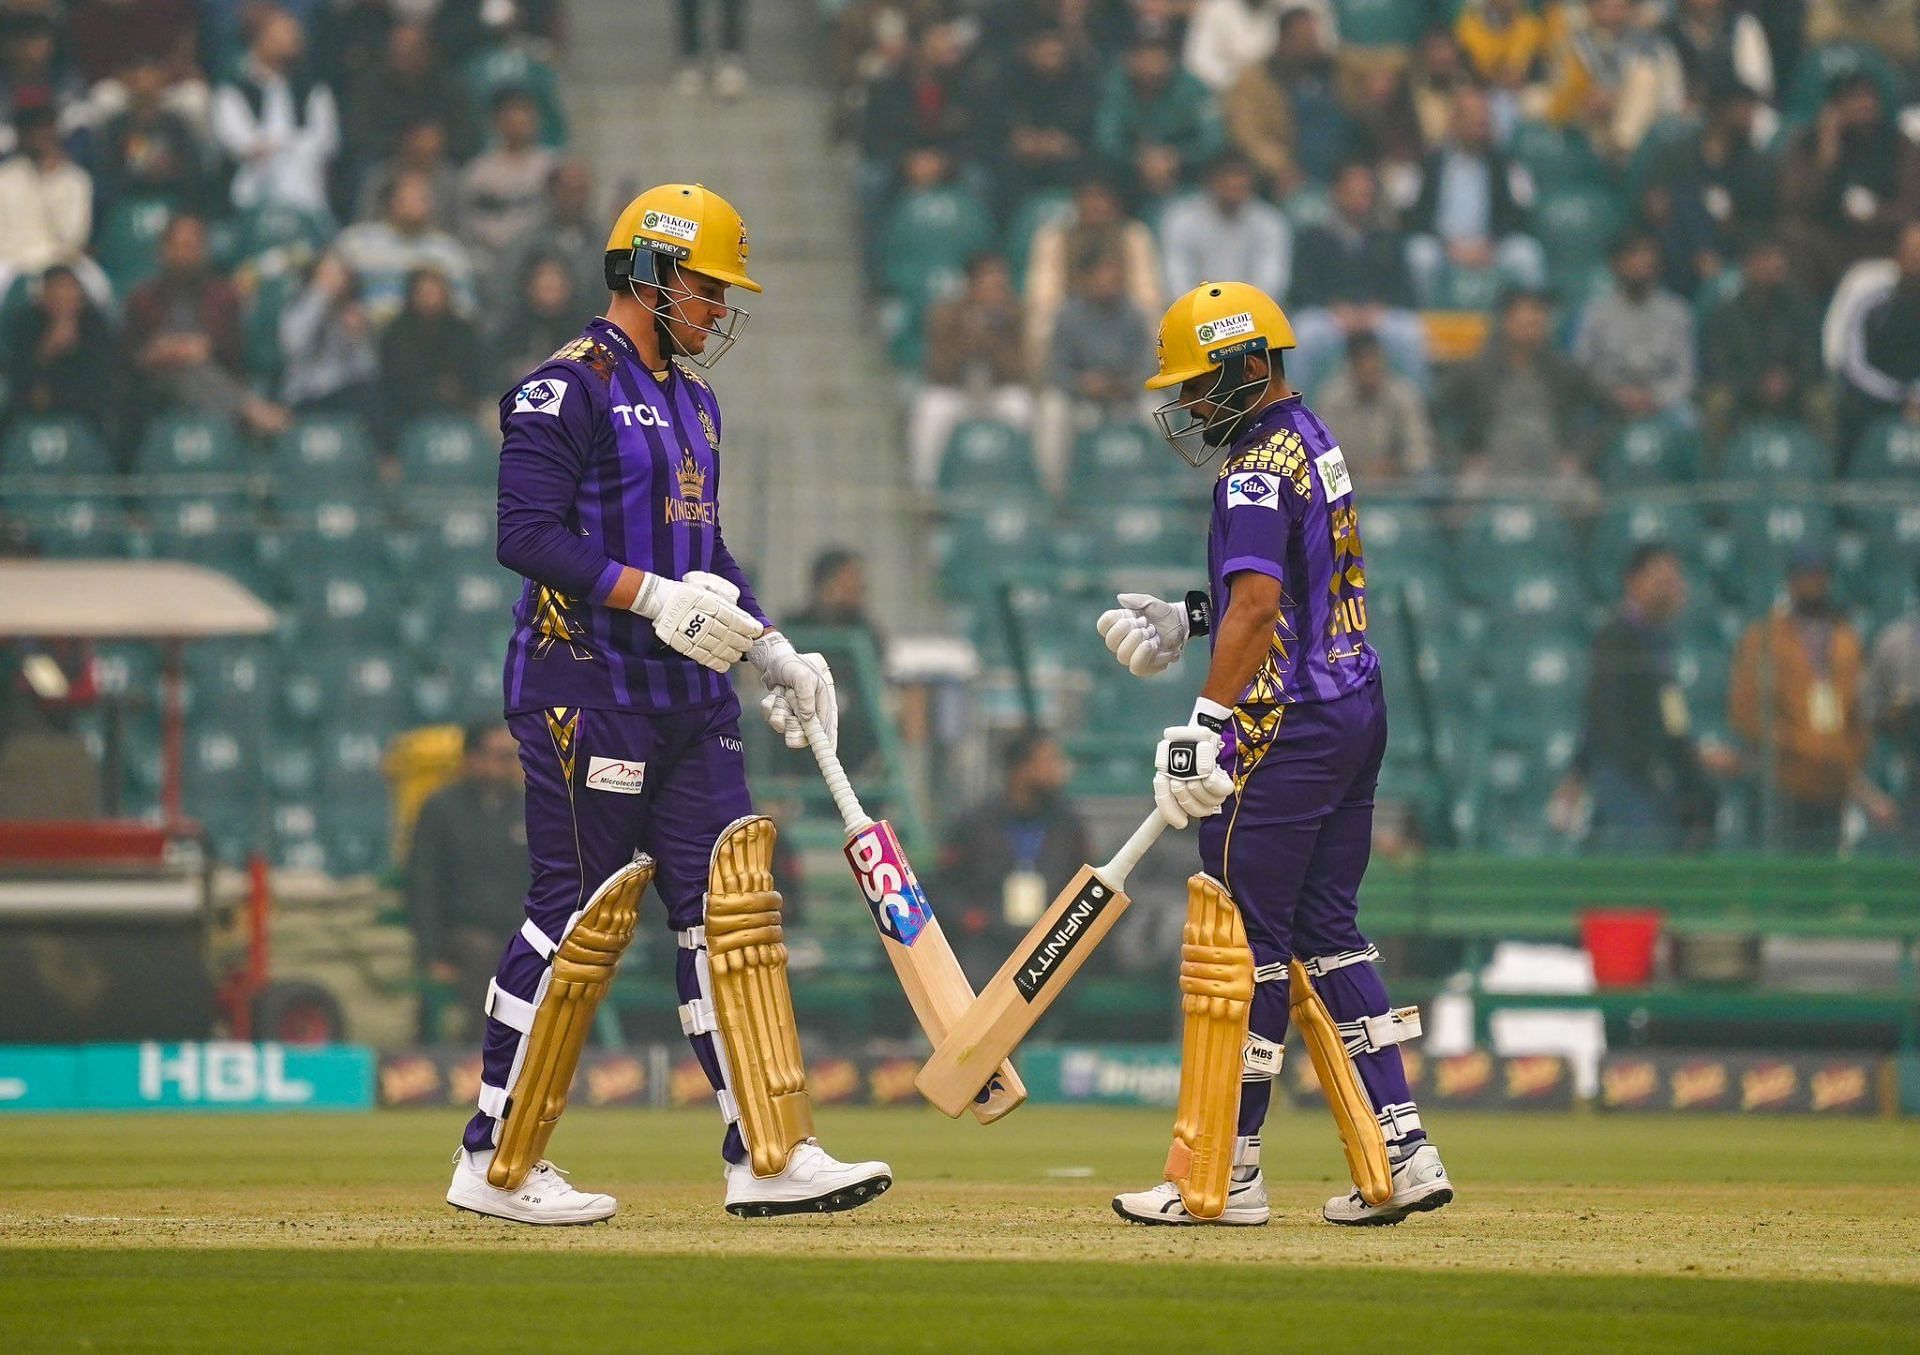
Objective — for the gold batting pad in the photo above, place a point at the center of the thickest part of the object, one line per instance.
(752, 1003)
(1216, 995)
(581, 971)
(1360, 1135)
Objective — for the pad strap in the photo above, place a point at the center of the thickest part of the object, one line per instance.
(1326, 964)
(1371, 1034)
(1398, 1121)
(543, 945)
(693, 938)
(508, 1010)
(493, 1100)
(697, 1017)
(1271, 973)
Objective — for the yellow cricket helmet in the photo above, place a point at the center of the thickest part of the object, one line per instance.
(1214, 328)
(686, 222)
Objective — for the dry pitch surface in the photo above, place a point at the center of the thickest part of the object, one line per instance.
(1576, 1232)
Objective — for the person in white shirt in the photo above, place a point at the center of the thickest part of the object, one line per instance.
(1227, 232)
(48, 199)
(279, 125)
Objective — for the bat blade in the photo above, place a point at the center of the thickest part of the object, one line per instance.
(922, 959)
(1039, 969)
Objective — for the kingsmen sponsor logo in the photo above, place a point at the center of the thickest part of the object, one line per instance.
(1059, 942)
(900, 907)
(1226, 327)
(665, 223)
(1251, 489)
(540, 397)
(689, 507)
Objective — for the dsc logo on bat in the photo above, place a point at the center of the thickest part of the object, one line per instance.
(900, 908)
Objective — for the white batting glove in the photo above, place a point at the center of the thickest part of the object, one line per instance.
(799, 687)
(696, 616)
(1144, 633)
(1188, 780)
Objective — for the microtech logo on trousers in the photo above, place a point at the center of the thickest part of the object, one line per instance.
(610, 773)
(1059, 943)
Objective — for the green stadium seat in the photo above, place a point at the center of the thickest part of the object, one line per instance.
(295, 834)
(1627, 524)
(1650, 452)
(291, 766)
(1519, 781)
(1766, 534)
(1574, 223)
(1503, 539)
(927, 240)
(274, 240)
(490, 73)
(1542, 682)
(1888, 450)
(216, 530)
(1119, 461)
(127, 243)
(339, 599)
(323, 453)
(74, 526)
(189, 444)
(471, 602)
(1547, 598)
(1393, 530)
(221, 774)
(260, 349)
(447, 450)
(1152, 536)
(1556, 157)
(988, 459)
(459, 534)
(1308, 207)
(232, 680)
(51, 448)
(978, 548)
(1035, 212)
(1380, 23)
(1769, 450)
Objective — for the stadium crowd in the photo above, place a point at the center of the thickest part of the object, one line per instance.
(1591, 290)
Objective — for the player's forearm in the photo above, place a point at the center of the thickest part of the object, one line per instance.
(538, 547)
(1242, 638)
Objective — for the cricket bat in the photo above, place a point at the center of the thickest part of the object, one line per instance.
(936, 986)
(1040, 967)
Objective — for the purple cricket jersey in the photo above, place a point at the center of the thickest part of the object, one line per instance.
(1284, 506)
(605, 464)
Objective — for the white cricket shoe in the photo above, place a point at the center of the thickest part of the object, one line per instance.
(812, 1183)
(1420, 1183)
(544, 1197)
(1246, 1205)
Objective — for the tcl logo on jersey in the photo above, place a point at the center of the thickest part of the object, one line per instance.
(899, 907)
(630, 415)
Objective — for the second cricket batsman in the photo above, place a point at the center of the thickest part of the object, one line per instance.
(1278, 760)
(632, 613)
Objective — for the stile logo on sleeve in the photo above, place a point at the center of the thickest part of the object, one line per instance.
(540, 397)
(1332, 465)
(616, 775)
(665, 223)
(1251, 489)
(1226, 327)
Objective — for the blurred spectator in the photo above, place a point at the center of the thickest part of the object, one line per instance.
(467, 871)
(55, 348)
(544, 317)
(406, 88)
(1635, 341)
(1472, 209)
(1646, 774)
(1889, 26)
(1095, 360)
(1097, 225)
(1044, 107)
(1007, 857)
(921, 102)
(277, 123)
(976, 358)
(1713, 43)
(423, 150)
(383, 254)
(933, 228)
(150, 150)
(327, 342)
(1522, 409)
(1760, 348)
(31, 76)
(1284, 113)
(568, 228)
(430, 359)
(1381, 418)
(1715, 174)
(1349, 276)
(1507, 42)
(1611, 77)
(49, 199)
(1387, 130)
(502, 189)
(1880, 346)
(183, 333)
(1437, 75)
(1795, 701)
(1848, 181)
(1156, 124)
(465, 28)
(837, 601)
(105, 37)
(729, 64)
(1890, 704)
(1226, 232)
(1224, 37)
(350, 43)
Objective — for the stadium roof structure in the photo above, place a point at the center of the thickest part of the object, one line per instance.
(125, 599)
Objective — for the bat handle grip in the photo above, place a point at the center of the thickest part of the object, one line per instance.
(851, 814)
(1115, 872)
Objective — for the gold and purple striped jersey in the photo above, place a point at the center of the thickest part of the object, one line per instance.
(603, 464)
(1284, 506)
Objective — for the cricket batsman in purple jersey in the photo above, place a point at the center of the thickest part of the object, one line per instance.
(632, 613)
(1278, 761)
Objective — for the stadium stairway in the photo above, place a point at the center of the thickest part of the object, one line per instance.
(811, 434)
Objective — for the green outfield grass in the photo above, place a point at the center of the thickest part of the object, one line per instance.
(326, 1233)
